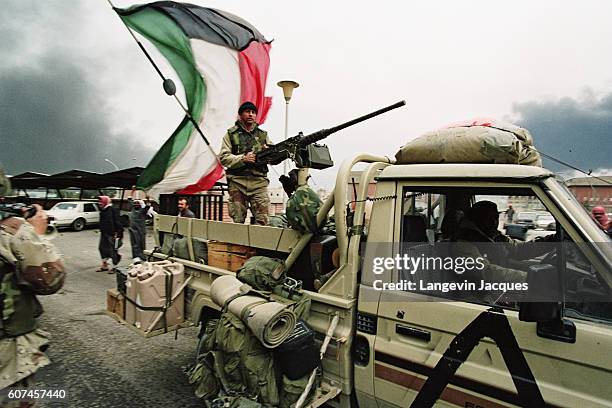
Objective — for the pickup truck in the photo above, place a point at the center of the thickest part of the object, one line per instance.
(395, 349)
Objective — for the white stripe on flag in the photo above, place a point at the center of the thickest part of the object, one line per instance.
(219, 67)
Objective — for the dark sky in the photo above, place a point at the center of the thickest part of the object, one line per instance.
(67, 69)
(53, 116)
(53, 120)
(578, 132)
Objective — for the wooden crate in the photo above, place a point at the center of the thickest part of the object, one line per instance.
(228, 256)
(115, 303)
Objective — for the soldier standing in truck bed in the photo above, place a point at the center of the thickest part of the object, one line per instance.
(248, 182)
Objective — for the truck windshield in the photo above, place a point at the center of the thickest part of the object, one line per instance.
(604, 237)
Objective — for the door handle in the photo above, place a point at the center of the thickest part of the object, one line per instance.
(413, 332)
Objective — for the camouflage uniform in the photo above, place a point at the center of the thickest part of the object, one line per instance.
(22, 344)
(248, 183)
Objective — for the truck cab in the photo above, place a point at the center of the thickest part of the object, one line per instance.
(395, 348)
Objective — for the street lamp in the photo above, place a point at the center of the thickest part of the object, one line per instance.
(113, 164)
(288, 87)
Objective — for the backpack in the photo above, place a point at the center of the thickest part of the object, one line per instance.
(247, 366)
(302, 209)
(279, 221)
(262, 273)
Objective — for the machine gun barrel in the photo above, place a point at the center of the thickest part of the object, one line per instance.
(323, 133)
(295, 147)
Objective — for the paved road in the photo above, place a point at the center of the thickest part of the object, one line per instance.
(97, 360)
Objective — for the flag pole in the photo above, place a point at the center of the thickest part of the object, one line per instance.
(143, 49)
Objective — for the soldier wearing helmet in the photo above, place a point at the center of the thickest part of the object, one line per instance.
(29, 266)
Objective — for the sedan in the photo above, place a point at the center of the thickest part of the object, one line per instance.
(74, 214)
(545, 221)
(526, 218)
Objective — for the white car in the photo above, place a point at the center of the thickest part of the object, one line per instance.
(545, 221)
(75, 214)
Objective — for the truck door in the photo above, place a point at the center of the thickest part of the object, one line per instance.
(512, 362)
(379, 230)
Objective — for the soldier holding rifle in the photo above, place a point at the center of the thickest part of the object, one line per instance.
(248, 181)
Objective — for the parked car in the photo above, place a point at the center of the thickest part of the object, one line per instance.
(74, 214)
(545, 221)
(527, 218)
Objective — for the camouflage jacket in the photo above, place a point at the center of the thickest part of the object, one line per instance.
(23, 253)
(236, 142)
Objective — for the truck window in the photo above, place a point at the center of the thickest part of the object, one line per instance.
(420, 216)
(440, 226)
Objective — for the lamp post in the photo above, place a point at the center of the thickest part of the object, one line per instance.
(113, 164)
(288, 87)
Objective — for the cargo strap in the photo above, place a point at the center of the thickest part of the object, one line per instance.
(244, 289)
(168, 289)
(153, 308)
(157, 250)
(163, 309)
(247, 310)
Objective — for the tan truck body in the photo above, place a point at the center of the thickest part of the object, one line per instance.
(403, 340)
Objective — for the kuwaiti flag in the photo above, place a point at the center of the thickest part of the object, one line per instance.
(222, 62)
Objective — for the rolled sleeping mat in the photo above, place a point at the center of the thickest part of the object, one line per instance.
(225, 288)
(270, 322)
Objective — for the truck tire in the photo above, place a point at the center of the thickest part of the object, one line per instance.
(79, 224)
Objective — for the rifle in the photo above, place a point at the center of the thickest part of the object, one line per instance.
(304, 150)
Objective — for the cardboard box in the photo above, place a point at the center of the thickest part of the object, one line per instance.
(115, 303)
(228, 256)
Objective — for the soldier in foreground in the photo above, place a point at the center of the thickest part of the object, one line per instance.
(29, 266)
(248, 182)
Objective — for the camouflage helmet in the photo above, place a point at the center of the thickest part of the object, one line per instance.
(5, 184)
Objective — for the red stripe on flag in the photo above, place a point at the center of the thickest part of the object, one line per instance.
(206, 182)
(254, 62)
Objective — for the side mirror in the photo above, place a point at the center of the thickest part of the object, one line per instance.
(539, 311)
(542, 302)
(543, 305)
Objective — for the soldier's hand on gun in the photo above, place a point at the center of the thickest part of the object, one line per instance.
(249, 157)
(39, 221)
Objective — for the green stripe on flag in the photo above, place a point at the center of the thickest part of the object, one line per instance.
(173, 44)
